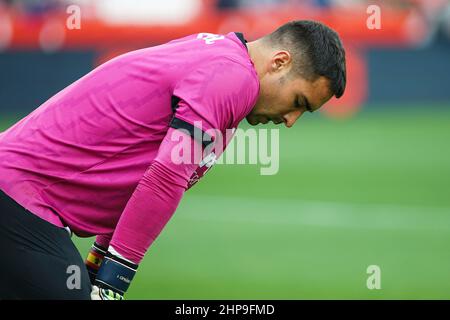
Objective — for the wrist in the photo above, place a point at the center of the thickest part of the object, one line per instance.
(115, 273)
(94, 260)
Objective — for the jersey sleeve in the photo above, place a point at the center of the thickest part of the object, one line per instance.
(103, 240)
(217, 95)
(156, 197)
(212, 97)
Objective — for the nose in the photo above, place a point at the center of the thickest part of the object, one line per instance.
(291, 117)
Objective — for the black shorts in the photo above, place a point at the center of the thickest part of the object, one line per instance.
(38, 260)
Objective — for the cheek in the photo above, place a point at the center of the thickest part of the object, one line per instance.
(276, 96)
(274, 100)
(267, 100)
(281, 101)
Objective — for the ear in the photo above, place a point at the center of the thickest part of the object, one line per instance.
(281, 61)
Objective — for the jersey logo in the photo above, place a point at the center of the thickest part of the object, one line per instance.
(203, 167)
(210, 38)
(209, 160)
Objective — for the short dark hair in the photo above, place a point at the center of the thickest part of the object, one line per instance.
(316, 49)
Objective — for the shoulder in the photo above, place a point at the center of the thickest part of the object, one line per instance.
(219, 75)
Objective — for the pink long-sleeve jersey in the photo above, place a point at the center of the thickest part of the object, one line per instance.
(98, 156)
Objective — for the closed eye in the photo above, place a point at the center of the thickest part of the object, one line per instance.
(307, 107)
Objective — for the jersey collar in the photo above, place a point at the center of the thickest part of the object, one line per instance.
(240, 36)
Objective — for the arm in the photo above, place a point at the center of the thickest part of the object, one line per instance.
(219, 94)
(154, 200)
(150, 207)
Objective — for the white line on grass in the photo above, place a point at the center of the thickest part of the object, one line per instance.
(310, 213)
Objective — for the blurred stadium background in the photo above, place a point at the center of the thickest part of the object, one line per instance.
(366, 182)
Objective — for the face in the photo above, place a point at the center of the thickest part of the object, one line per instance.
(284, 98)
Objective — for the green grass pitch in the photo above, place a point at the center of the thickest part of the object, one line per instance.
(372, 190)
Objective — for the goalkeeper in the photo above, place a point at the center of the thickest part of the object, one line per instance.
(97, 159)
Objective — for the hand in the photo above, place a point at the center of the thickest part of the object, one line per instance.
(104, 294)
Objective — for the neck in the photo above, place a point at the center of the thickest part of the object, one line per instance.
(256, 51)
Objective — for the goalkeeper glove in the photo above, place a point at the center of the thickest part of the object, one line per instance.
(113, 277)
(104, 294)
(94, 260)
